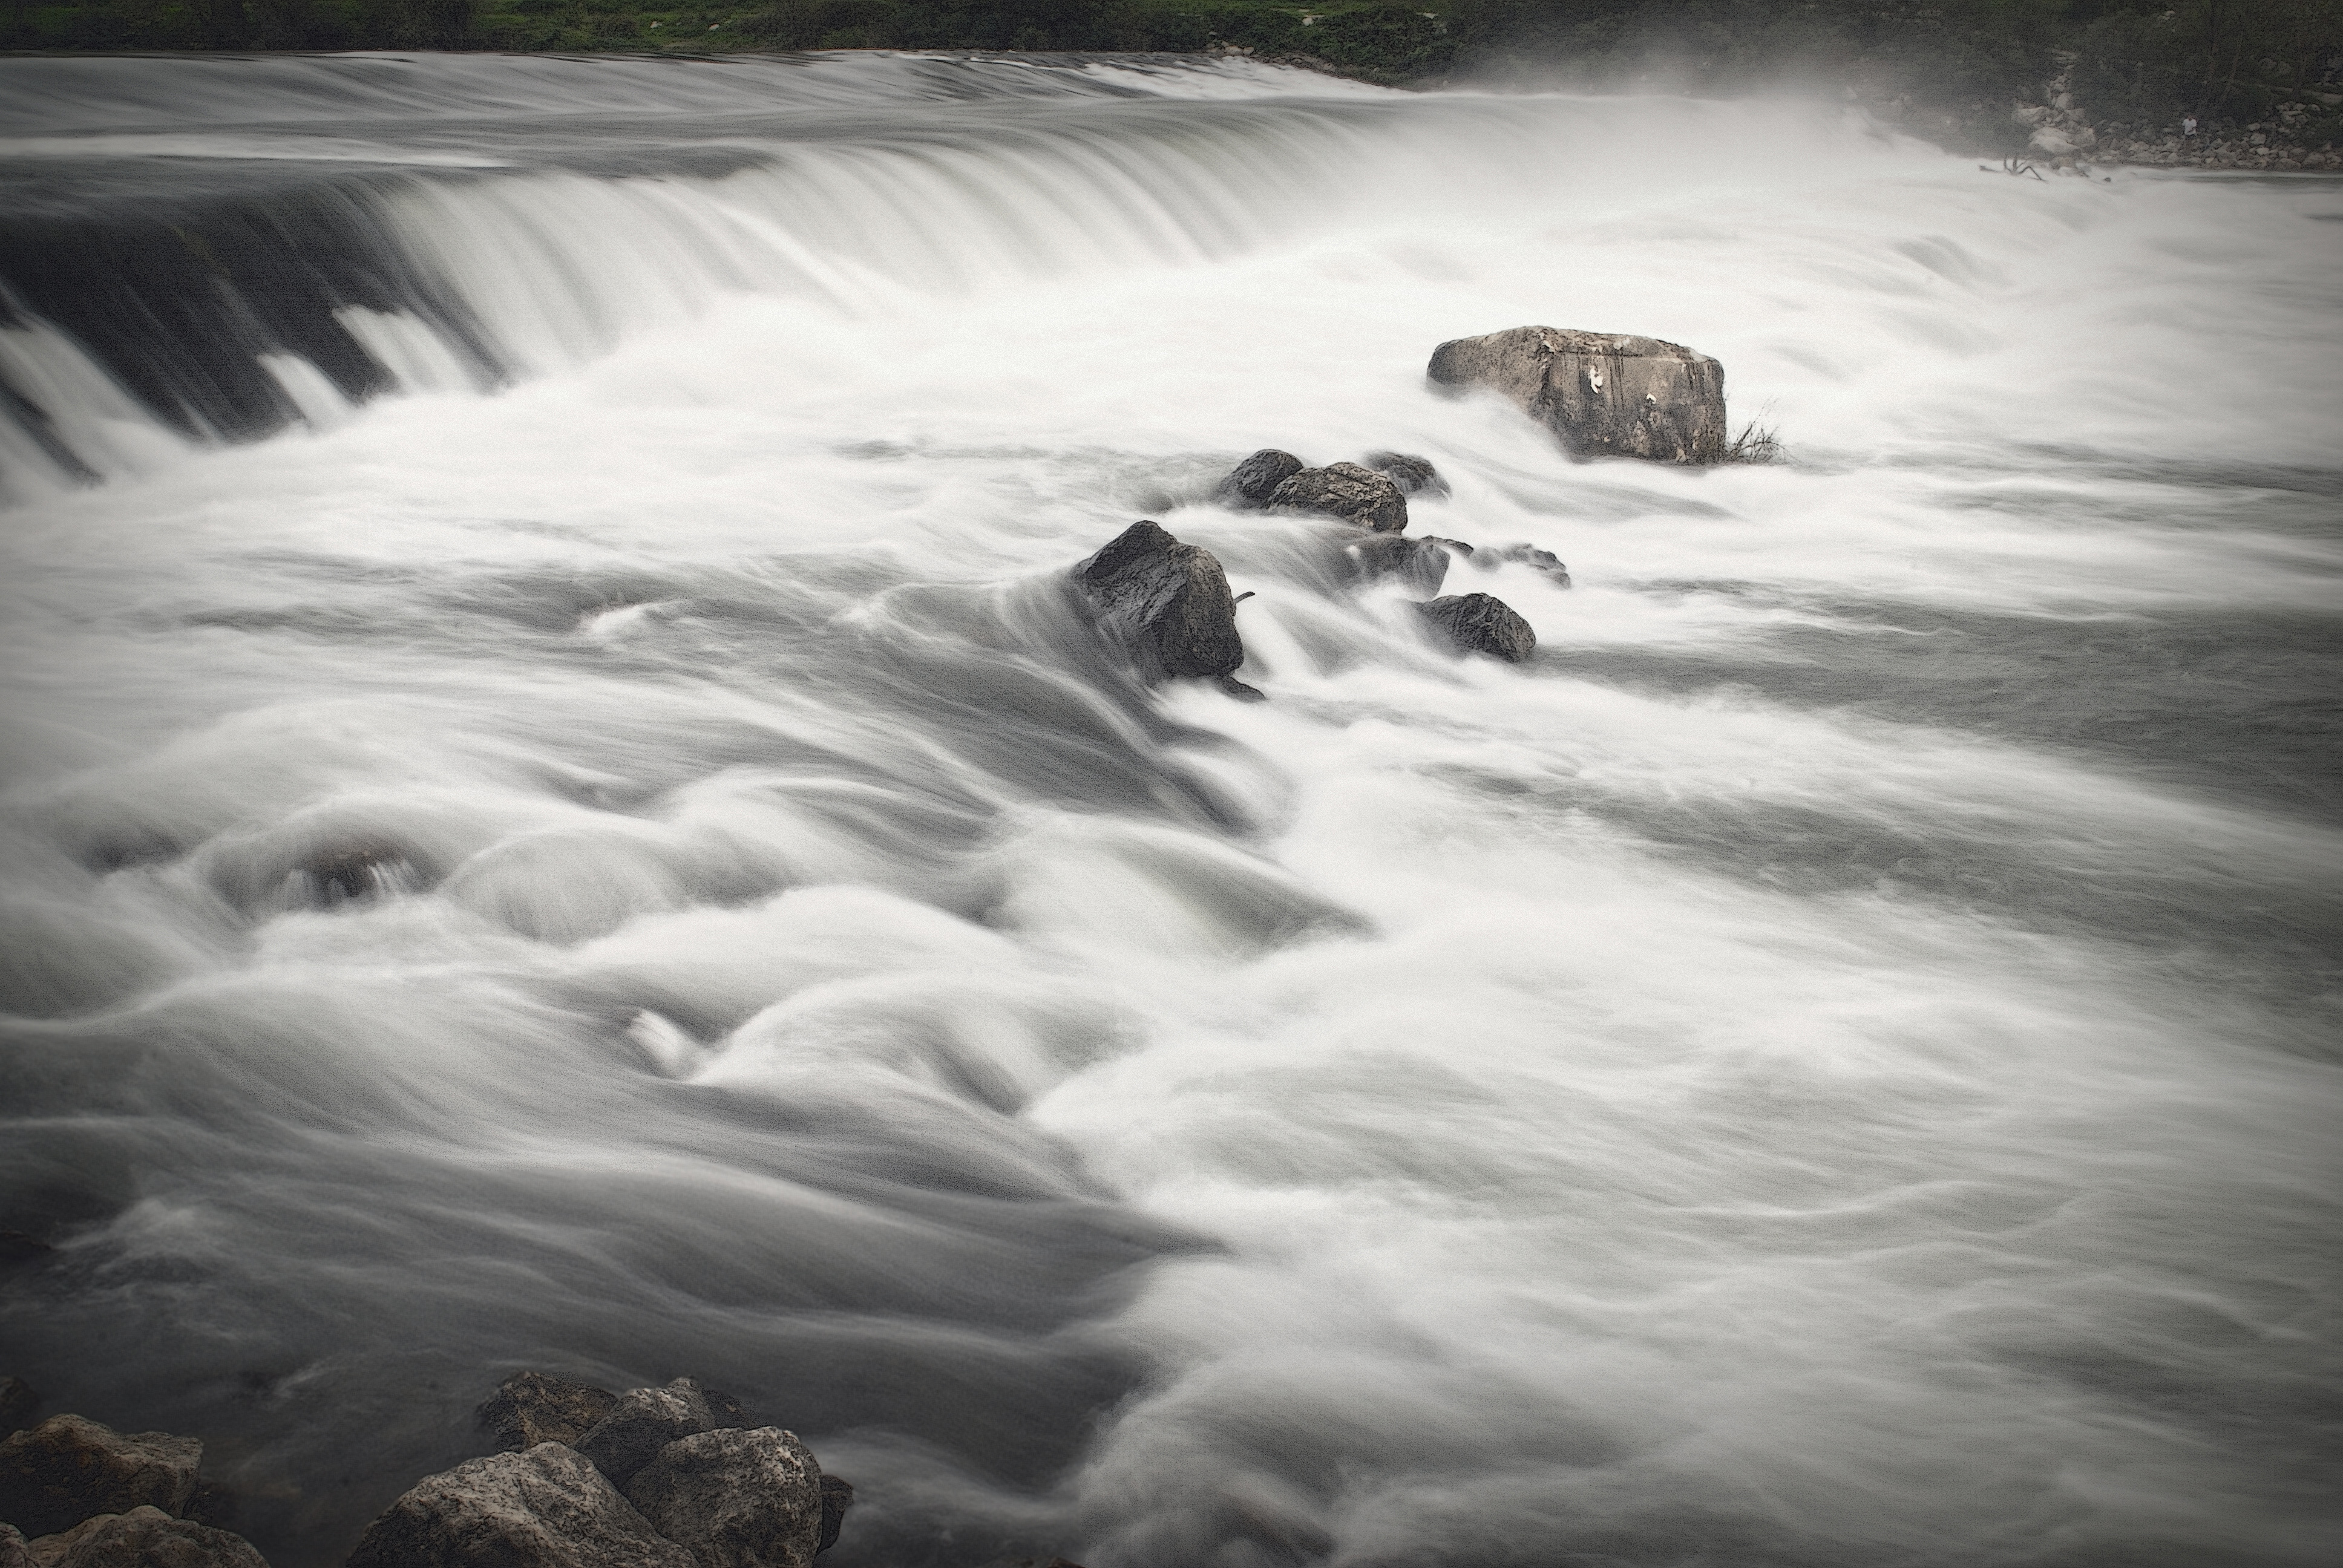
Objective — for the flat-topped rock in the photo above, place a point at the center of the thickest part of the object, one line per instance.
(68, 1468)
(1605, 394)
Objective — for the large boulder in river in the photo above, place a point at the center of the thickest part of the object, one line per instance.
(1168, 603)
(1478, 623)
(1344, 490)
(56, 1475)
(143, 1538)
(644, 1420)
(530, 1408)
(1604, 394)
(738, 1498)
(1251, 482)
(547, 1508)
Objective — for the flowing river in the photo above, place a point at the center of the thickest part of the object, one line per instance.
(558, 814)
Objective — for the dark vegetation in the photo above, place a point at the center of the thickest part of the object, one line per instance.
(1963, 62)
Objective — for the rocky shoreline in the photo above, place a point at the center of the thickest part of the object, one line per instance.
(2064, 137)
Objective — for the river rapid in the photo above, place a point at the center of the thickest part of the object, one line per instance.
(556, 814)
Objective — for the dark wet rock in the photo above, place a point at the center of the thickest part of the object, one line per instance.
(1477, 623)
(1419, 565)
(644, 1420)
(11, 1548)
(548, 1507)
(56, 1475)
(1412, 474)
(1607, 395)
(1167, 602)
(143, 1537)
(530, 1408)
(1489, 558)
(18, 1405)
(738, 1498)
(1344, 490)
(360, 867)
(1251, 482)
(838, 1496)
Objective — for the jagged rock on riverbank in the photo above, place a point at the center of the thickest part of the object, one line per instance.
(1478, 623)
(530, 1408)
(75, 1494)
(1605, 394)
(644, 1420)
(737, 1498)
(143, 1537)
(1168, 604)
(546, 1507)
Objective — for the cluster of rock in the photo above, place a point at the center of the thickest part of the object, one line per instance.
(1168, 605)
(2064, 135)
(74, 1494)
(672, 1477)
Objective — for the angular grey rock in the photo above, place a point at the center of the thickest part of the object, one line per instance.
(1250, 482)
(1420, 564)
(1412, 474)
(1167, 602)
(1344, 490)
(530, 1408)
(142, 1538)
(644, 1420)
(18, 1405)
(547, 1508)
(837, 1497)
(56, 1475)
(1477, 623)
(737, 1499)
(1605, 394)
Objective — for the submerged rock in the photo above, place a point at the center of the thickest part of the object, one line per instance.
(56, 1475)
(1412, 474)
(1344, 490)
(143, 1537)
(737, 1499)
(1545, 562)
(1421, 565)
(644, 1420)
(1605, 394)
(530, 1408)
(548, 1507)
(1168, 603)
(837, 1497)
(1251, 482)
(1478, 623)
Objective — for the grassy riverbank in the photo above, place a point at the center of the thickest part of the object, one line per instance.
(1952, 67)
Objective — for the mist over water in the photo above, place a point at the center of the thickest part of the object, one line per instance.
(556, 814)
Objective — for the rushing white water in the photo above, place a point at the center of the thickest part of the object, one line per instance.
(1832, 1063)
